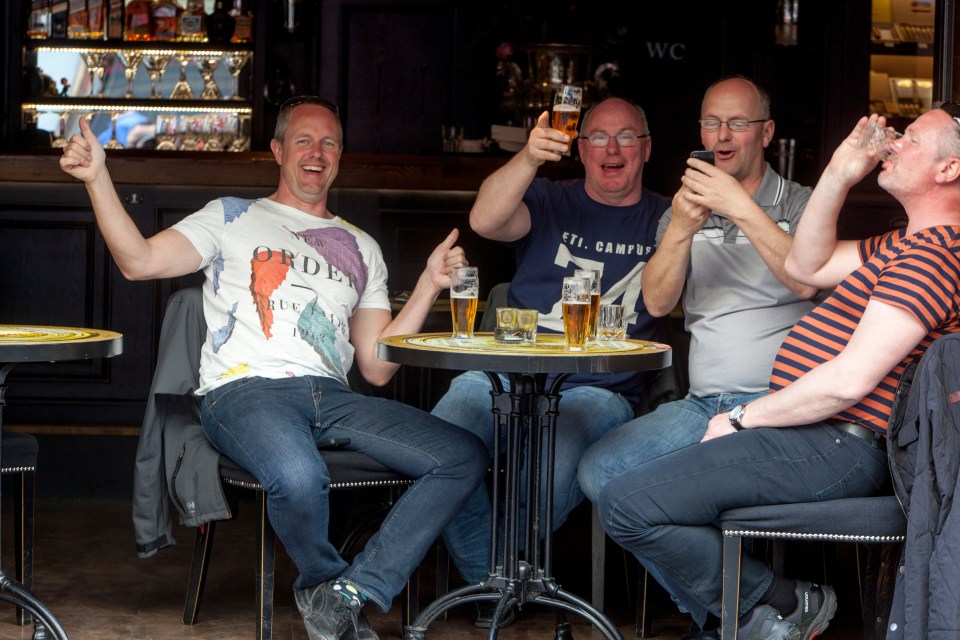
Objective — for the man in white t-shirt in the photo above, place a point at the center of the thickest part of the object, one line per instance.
(293, 297)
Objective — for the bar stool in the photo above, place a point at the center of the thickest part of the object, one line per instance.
(19, 458)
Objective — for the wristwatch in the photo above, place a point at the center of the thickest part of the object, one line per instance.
(736, 415)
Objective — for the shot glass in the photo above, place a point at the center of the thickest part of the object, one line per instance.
(878, 140)
(566, 111)
(464, 291)
(575, 300)
(594, 276)
(507, 330)
(527, 320)
(610, 322)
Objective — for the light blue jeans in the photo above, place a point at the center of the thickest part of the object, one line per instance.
(671, 426)
(585, 414)
(272, 428)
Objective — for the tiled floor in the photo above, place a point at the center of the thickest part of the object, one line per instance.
(87, 573)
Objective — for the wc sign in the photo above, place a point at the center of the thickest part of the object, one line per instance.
(663, 50)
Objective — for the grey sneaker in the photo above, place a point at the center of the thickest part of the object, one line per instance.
(816, 606)
(764, 623)
(328, 615)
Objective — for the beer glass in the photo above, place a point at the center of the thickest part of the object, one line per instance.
(575, 299)
(610, 325)
(566, 111)
(464, 291)
(594, 276)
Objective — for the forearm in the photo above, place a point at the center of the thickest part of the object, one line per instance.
(663, 276)
(497, 212)
(129, 249)
(816, 237)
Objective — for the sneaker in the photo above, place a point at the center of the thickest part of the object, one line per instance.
(697, 633)
(764, 623)
(329, 613)
(816, 606)
(484, 614)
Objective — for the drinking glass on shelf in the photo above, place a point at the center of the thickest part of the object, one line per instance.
(113, 143)
(464, 292)
(575, 299)
(566, 111)
(182, 89)
(96, 67)
(236, 61)
(156, 63)
(215, 127)
(189, 128)
(130, 59)
(594, 276)
(166, 131)
(241, 141)
(61, 140)
(208, 66)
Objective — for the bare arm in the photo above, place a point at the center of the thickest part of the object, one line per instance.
(817, 257)
(499, 212)
(164, 255)
(369, 325)
(718, 191)
(840, 383)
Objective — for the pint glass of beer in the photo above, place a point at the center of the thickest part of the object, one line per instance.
(594, 276)
(464, 289)
(566, 111)
(575, 299)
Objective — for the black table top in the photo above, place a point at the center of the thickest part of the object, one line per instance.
(34, 343)
(483, 353)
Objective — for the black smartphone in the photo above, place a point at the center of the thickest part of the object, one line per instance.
(706, 156)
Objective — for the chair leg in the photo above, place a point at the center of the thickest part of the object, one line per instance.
(643, 626)
(202, 547)
(23, 538)
(730, 601)
(598, 539)
(443, 573)
(266, 539)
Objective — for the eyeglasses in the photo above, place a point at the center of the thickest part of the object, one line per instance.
(711, 124)
(623, 139)
(296, 101)
(952, 108)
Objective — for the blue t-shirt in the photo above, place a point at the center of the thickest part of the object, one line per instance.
(568, 231)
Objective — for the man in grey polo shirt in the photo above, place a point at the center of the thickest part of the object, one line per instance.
(721, 246)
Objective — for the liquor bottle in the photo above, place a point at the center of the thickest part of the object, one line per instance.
(58, 18)
(193, 22)
(77, 20)
(96, 19)
(243, 21)
(39, 23)
(166, 19)
(220, 23)
(138, 21)
(114, 19)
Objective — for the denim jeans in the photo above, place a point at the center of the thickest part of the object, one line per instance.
(585, 414)
(665, 511)
(271, 427)
(671, 426)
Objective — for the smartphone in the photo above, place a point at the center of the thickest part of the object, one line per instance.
(706, 156)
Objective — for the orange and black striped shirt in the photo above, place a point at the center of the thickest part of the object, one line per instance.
(919, 273)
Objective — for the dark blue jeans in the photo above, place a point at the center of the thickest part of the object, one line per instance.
(665, 511)
(272, 427)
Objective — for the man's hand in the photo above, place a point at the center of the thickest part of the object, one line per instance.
(688, 216)
(545, 143)
(83, 157)
(719, 426)
(716, 190)
(854, 158)
(442, 261)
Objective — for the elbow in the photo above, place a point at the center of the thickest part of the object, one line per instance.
(805, 291)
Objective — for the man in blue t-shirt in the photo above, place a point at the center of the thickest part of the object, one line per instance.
(606, 221)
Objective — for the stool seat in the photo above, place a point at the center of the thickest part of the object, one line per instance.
(19, 452)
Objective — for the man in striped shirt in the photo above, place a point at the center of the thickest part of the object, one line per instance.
(820, 434)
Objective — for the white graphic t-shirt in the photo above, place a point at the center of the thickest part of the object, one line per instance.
(281, 286)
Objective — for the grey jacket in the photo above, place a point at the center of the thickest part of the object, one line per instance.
(175, 462)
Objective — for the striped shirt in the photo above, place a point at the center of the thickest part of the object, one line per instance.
(919, 273)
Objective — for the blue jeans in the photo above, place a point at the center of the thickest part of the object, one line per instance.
(586, 413)
(671, 426)
(272, 428)
(665, 511)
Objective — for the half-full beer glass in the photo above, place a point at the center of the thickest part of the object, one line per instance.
(593, 275)
(575, 299)
(566, 111)
(464, 290)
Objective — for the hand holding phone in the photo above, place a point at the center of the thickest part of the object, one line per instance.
(706, 156)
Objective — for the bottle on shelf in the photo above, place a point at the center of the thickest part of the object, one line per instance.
(59, 10)
(138, 21)
(220, 24)
(115, 20)
(77, 20)
(166, 19)
(96, 19)
(39, 24)
(193, 22)
(242, 13)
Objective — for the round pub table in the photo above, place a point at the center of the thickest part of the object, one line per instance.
(31, 343)
(525, 413)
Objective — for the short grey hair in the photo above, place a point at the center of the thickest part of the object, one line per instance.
(640, 113)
